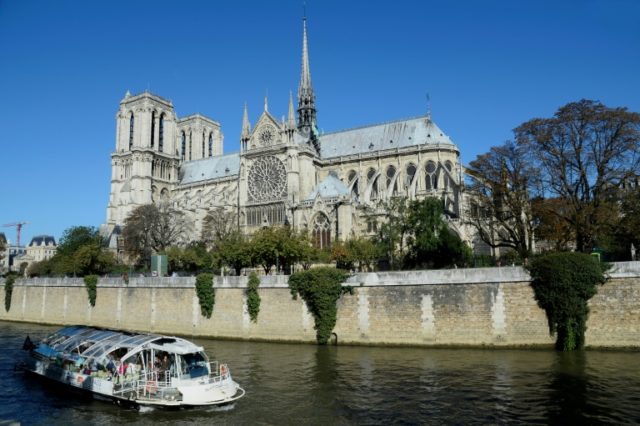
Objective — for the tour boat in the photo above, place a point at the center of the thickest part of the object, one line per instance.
(138, 369)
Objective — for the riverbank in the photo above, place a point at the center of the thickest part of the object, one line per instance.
(483, 307)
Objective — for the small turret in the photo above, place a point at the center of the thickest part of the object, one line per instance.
(246, 129)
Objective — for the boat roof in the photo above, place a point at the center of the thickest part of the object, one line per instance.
(91, 342)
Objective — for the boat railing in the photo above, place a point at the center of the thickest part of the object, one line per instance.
(218, 373)
(150, 385)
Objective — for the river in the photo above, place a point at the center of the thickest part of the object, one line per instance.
(291, 384)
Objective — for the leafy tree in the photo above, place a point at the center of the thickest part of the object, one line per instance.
(193, 258)
(394, 231)
(234, 251)
(584, 152)
(253, 298)
(361, 251)
(551, 229)
(276, 246)
(432, 243)
(152, 228)
(3, 246)
(77, 236)
(320, 288)
(563, 283)
(499, 189)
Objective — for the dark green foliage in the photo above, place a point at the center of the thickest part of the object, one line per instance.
(91, 282)
(8, 291)
(206, 294)
(253, 298)
(563, 283)
(320, 288)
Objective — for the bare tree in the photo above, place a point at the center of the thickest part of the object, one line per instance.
(584, 152)
(218, 225)
(153, 228)
(499, 198)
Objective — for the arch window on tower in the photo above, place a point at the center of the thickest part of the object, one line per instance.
(131, 124)
(203, 139)
(153, 128)
(210, 144)
(321, 232)
(161, 132)
(184, 146)
(431, 179)
(373, 181)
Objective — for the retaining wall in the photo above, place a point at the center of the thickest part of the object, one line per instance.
(459, 307)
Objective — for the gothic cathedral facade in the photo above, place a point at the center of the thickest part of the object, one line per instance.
(331, 185)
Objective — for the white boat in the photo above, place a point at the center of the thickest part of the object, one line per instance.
(139, 369)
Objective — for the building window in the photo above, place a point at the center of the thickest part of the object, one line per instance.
(131, 124)
(203, 139)
(373, 181)
(431, 180)
(184, 146)
(210, 144)
(153, 128)
(411, 173)
(161, 133)
(190, 144)
(353, 181)
(391, 174)
(273, 214)
(321, 232)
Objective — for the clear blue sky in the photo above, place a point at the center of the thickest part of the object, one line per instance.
(488, 66)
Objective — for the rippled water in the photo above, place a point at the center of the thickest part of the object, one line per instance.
(305, 384)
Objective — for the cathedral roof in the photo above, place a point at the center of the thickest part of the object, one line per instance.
(330, 187)
(380, 137)
(210, 168)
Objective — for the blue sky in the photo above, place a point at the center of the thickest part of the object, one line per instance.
(488, 66)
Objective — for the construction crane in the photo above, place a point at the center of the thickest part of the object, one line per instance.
(18, 226)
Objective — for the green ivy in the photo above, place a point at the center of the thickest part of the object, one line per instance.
(8, 291)
(206, 293)
(91, 282)
(253, 298)
(563, 283)
(320, 288)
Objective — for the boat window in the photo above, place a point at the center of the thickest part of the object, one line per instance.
(193, 365)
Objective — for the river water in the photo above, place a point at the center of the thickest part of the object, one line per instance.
(304, 384)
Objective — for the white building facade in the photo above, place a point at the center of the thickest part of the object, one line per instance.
(330, 185)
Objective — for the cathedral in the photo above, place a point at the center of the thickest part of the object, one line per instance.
(331, 185)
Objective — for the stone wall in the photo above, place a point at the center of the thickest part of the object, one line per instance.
(459, 307)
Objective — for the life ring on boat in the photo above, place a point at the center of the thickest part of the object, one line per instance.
(223, 370)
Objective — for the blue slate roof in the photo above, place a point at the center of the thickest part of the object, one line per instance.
(391, 135)
(210, 168)
(330, 187)
(42, 240)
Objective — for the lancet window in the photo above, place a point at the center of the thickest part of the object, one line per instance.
(131, 124)
(153, 128)
(431, 179)
(161, 132)
(321, 232)
(184, 145)
(373, 181)
(391, 174)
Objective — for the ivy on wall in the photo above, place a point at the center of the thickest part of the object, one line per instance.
(320, 288)
(8, 291)
(206, 294)
(91, 282)
(253, 298)
(563, 283)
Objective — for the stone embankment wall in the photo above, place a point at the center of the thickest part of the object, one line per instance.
(460, 307)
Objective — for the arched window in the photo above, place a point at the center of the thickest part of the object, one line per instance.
(391, 174)
(184, 146)
(321, 232)
(371, 175)
(190, 144)
(131, 124)
(353, 181)
(411, 174)
(153, 128)
(161, 132)
(448, 165)
(210, 144)
(203, 139)
(431, 179)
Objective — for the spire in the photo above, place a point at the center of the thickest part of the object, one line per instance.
(306, 97)
(291, 121)
(266, 103)
(246, 127)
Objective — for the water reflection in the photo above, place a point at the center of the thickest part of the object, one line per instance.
(306, 384)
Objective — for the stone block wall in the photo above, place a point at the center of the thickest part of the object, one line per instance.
(460, 307)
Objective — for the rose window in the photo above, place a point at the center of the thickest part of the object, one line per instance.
(267, 180)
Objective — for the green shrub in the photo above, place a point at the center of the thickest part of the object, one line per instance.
(563, 283)
(320, 288)
(206, 293)
(253, 298)
(91, 282)
(8, 291)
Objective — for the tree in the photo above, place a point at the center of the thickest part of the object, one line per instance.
(3, 246)
(218, 225)
(234, 251)
(194, 258)
(75, 237)
(276, 246)
(583, 153)
(393, 231)
(499, 193)
(152, 228)
(432, 243)
(563, 283)
(551, 230)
